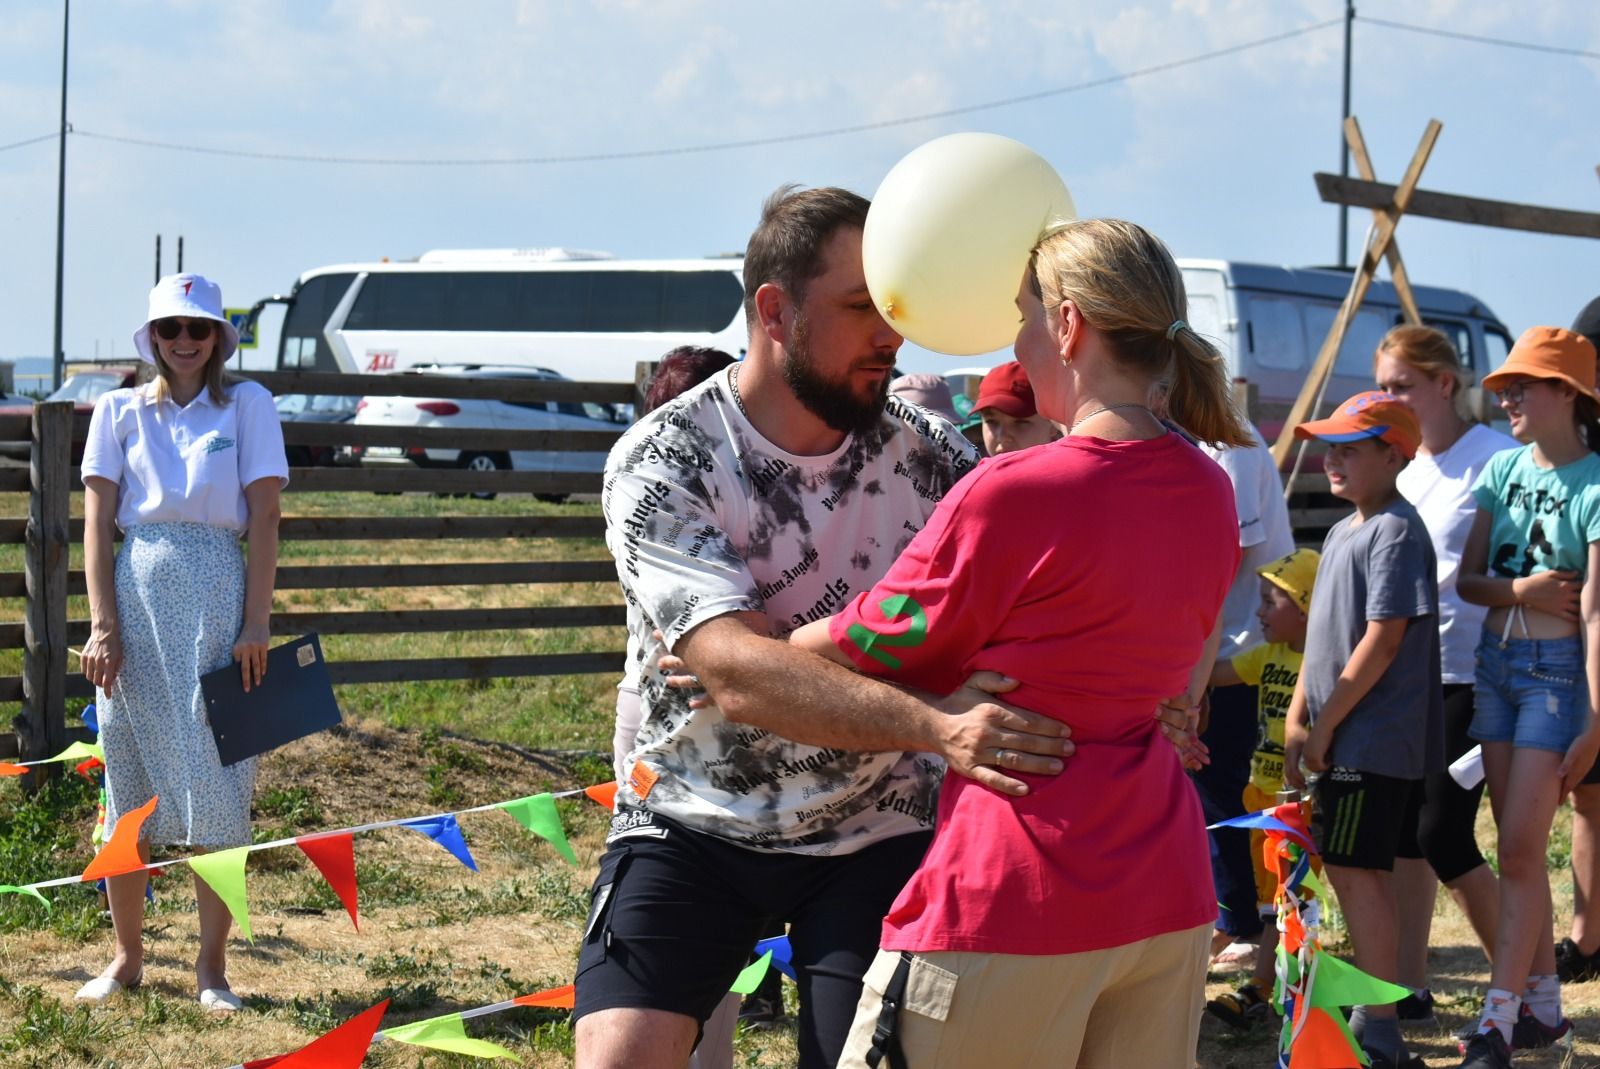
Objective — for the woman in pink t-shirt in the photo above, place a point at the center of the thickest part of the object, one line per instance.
(1069, 925)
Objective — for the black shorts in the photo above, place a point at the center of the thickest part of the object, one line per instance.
(1357, 817)
(675, 912)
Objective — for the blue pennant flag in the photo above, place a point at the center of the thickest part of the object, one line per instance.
(447, 833)
(90, 718)
(1263, 820)
(781, 952)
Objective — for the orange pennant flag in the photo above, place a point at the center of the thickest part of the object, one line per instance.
(559, 998)
(9, 769)
(120, 854)
(603, 793)
(1322, 1044)
(1294, 932)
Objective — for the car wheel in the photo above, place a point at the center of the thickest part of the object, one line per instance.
(484, 462)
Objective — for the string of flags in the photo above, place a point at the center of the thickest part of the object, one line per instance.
(332, 852)
(1312, 985)
(346, 1046)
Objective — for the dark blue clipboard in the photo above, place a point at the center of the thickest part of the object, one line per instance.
(294, 699)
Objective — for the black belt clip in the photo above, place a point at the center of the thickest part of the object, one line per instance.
(886, 1037)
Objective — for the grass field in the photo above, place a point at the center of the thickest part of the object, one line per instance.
(434, 937)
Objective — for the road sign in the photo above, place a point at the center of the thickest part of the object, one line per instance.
(237, 317)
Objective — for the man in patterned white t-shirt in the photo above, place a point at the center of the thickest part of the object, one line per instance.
(754, 503)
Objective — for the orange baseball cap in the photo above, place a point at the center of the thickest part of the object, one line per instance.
(1373, 414)
(1549, 353)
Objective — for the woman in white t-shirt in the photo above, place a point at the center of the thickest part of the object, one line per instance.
(185, 465)
(1419, 366)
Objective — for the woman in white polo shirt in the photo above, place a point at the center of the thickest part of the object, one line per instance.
(185, 465)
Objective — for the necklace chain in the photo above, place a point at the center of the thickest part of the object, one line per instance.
(1081, 420)
(733, 383)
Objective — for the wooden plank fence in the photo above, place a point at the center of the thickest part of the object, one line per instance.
(53, 438)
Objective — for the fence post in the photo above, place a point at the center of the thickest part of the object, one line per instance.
(42, 727)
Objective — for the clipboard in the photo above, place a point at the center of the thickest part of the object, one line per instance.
(294, 699)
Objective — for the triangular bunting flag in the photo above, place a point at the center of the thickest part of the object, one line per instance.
(1266, 822)
(223, 871)
(120, 855)
(603, 794)
(1323, 1043)
(9, 769)
(445, 831)
(1339, 983)
(750, 978)
(781, 953)
(8, 889)
(445, 1033)
(335, 858)
(343, 1048)
(555, 998)
(538, 814)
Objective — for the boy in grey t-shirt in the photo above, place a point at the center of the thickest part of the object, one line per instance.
(1368, 708)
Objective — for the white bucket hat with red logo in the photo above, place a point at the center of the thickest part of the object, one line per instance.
(190, 296)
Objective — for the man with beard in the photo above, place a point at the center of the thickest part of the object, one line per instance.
(759, 501)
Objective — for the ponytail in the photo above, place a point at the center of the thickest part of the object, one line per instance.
(1126, 285)
(1200, 400)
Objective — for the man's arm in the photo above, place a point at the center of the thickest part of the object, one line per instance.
(1368, 661)
(778, 686)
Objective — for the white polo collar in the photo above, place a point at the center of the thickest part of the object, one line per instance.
(147, 395)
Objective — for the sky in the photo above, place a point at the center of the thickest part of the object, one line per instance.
(1215, 157)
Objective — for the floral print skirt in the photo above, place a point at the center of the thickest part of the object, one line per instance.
(180, 602)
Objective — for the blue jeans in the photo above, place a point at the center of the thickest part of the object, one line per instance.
(1530, 692)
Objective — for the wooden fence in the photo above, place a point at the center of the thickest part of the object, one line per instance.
(54, 434)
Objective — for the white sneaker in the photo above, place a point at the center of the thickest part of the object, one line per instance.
(220, 1000)
(101, 988)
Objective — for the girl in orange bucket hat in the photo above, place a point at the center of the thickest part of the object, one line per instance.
(1532, 557)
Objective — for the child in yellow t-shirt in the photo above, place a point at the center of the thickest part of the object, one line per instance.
(1272, 668)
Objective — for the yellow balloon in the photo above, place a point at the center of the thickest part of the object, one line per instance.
(948, 238)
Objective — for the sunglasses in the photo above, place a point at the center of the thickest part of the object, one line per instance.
(170, 329)
(1512, 394)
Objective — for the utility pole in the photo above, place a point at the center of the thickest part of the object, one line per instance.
(1344, 146)
(57, 354)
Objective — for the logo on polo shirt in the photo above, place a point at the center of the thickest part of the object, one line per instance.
(217, 443)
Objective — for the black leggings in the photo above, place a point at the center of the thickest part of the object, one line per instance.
(1440, 818)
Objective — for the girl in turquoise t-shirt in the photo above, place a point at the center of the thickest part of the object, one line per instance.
(1533, 557)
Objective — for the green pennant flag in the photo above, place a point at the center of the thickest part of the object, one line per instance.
(750, 977)
(223, 871)
(9, 889)
(79, 751)
(1339, 983)
(537, 813)
(1310, 880)
(446, 1033)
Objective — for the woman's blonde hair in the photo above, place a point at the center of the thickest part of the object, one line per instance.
(1126, 285)
(217, 377)
(1428, 350)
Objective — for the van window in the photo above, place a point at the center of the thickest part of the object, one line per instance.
(1496, 347)
(548, 301)
(1460, 336)
(303, 345)
(1360, 341)
(1273, 334)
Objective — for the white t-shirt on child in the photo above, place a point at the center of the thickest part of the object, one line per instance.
(188, 463)
(1439, 486)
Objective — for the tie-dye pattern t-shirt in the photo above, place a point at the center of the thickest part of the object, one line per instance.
(706, 517)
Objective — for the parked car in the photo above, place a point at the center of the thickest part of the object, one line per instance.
(314, 408)
(83, 388)
(485, 414)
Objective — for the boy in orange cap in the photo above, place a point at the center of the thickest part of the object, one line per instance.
(1368, 708)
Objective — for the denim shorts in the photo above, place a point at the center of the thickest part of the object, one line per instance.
(1530, 692)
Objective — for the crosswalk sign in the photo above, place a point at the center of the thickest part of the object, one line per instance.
(238, 316)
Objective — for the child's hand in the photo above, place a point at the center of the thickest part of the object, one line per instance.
(1315, 754)
(1579, 759)
(1294, 744)
(1554, 593)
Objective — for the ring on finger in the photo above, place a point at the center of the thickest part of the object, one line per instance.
(1002, 757)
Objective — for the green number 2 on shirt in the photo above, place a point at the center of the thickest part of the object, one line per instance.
(870, 642)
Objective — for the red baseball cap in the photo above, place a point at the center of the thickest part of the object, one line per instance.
(1007, 389)
(1374, 414)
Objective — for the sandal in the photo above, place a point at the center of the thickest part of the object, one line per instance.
(1241, 1009)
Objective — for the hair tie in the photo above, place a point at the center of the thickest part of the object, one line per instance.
(1177, 325)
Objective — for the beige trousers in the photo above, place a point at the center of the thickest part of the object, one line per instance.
(1135, 1006)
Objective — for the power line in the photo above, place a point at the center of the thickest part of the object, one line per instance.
(719, 146)
(1502, 42)
(52, 135)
